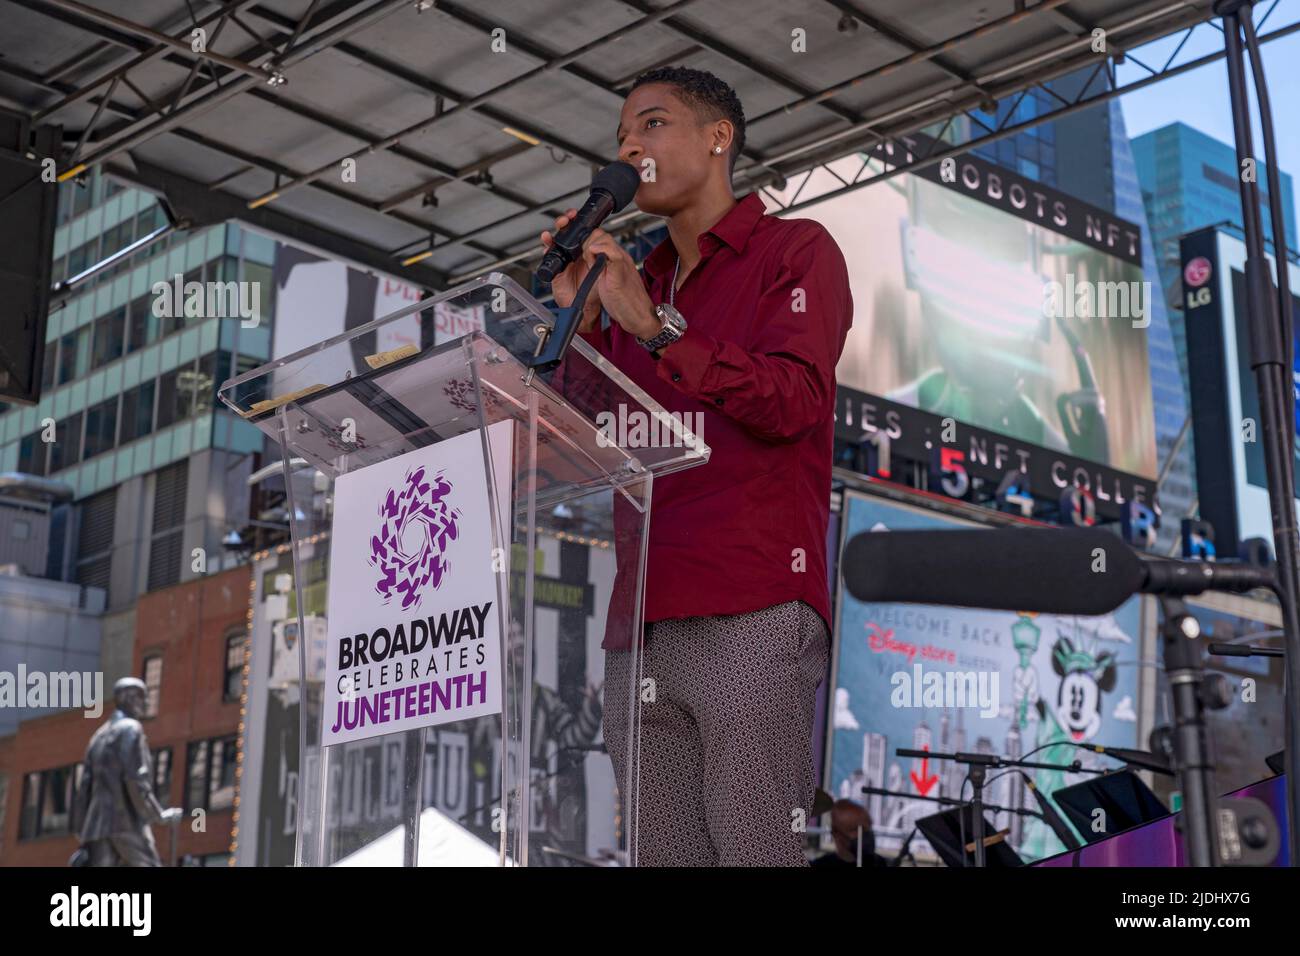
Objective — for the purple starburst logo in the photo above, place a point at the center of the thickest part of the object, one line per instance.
(460, 392)
(410, 548)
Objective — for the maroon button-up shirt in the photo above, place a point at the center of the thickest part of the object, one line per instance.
(767, 311)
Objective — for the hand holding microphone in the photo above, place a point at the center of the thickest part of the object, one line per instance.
(572, 251)
(620, 287)
(565, 284)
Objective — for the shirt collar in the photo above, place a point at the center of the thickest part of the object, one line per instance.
(733, 230)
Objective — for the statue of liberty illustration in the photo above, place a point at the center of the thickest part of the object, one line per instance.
(1086, 672)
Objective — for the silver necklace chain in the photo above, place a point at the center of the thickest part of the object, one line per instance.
(672, 289)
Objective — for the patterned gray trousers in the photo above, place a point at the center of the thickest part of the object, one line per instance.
(725, 774)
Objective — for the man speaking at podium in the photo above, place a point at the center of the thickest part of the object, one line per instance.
(742, 317)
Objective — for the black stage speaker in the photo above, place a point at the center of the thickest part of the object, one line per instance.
(28, 203)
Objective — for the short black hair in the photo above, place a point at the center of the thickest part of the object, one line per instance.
(710, 97)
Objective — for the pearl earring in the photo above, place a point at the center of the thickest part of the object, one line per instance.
(717, 149)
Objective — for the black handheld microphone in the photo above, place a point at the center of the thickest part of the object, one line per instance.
(1084, 571)
(611, 190)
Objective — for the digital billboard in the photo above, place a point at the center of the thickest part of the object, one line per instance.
(1033, 686)
(999, 304)
(1226, 424)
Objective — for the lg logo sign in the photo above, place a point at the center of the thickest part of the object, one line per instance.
(1195, 276)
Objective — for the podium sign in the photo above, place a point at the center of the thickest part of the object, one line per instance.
(462, 519)
(417, 642)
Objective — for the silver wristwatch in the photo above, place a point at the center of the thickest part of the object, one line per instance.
(674, 327)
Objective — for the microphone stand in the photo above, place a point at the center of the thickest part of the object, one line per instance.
(1180, 634)
(554, 342)
(979, 765)
(1272, 358)
(905, 851)
(996, 762)
(1244, 650)
(1208, 826)
(976, 771)
(953, 802)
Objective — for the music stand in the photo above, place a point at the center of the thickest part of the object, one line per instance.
(1122, 796)
(949, 834)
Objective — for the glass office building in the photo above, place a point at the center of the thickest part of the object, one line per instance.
(1190, 181)
(127, 417)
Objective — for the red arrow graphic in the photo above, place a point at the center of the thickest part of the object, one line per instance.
(924, 782)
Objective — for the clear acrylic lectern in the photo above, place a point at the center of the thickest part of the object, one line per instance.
(569, 512)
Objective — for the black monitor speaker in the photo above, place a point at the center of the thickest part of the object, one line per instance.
(28, 204)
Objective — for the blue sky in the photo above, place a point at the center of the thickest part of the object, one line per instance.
(1199, 97)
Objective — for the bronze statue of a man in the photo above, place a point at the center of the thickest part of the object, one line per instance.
(115, 803)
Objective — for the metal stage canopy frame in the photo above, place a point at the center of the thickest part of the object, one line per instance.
(473, 125)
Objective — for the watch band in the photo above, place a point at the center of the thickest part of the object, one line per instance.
(674, 326)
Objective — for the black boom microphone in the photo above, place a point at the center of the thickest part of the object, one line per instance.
(1084, 571)
(611, 190)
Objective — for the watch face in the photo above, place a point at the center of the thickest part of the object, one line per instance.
(672, 318)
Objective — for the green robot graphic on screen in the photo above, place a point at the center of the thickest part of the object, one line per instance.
(979, 277)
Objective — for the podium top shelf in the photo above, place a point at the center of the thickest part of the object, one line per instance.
(454, 363)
